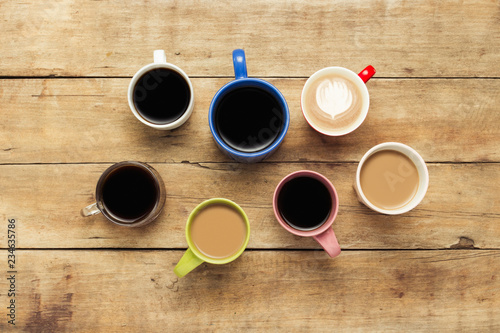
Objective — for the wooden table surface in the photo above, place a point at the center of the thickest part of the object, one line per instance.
(65, 67)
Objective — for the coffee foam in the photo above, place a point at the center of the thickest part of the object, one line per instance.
(332, 102)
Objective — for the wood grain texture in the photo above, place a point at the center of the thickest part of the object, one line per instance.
(376, 291)
(291, 38)
(434, 269)
(461, 208)
(88, 120)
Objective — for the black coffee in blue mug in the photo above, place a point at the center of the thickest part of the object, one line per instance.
(248, 117)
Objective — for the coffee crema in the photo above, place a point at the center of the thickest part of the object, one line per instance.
(389, 179)
(218, 231)
(332, 102)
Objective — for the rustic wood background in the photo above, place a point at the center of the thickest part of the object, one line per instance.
(64, 72)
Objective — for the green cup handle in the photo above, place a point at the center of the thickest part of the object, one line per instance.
(188, 262)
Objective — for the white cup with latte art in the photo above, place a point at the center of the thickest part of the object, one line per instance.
(335, 100)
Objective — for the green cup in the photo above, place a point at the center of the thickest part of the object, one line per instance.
(193, 257)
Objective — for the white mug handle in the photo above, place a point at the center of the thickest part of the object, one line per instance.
(159, 57)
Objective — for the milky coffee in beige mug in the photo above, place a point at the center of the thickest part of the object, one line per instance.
(391, 178)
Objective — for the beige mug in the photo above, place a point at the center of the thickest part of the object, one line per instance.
(391, 184)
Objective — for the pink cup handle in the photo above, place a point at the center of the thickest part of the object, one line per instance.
(329, 242)
(367, 73)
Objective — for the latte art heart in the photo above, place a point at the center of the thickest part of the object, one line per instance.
(334, 97)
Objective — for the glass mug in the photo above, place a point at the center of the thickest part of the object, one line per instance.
(130, 194)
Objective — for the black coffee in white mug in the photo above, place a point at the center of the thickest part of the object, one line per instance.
(160, 94)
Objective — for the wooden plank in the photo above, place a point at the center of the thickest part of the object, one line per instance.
(88, 120)
(461, 208)
(376, 291)
(296, 38)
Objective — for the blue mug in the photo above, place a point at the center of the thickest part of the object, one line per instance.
(248, 117)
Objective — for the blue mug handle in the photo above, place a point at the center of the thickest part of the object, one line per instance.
(240, 64)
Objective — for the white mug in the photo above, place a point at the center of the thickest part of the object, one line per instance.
(160, 62)
(423, 175)
(322, 125)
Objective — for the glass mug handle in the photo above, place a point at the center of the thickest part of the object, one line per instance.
(90, 210)
(239, 64)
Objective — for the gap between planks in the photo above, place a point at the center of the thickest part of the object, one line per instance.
(119, 249)
(230, 162)
(258, 77)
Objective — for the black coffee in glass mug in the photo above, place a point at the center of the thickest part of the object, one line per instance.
(129, 193)
(249, 119)
(304, 203)
(161, 95)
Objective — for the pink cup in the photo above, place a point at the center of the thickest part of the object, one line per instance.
(323, 234)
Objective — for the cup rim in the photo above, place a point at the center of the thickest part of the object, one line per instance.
(234, 84)
(422, 170)
(333, 193)
(144, 219)
(195, 211)
(345, 72)
(167, 126)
